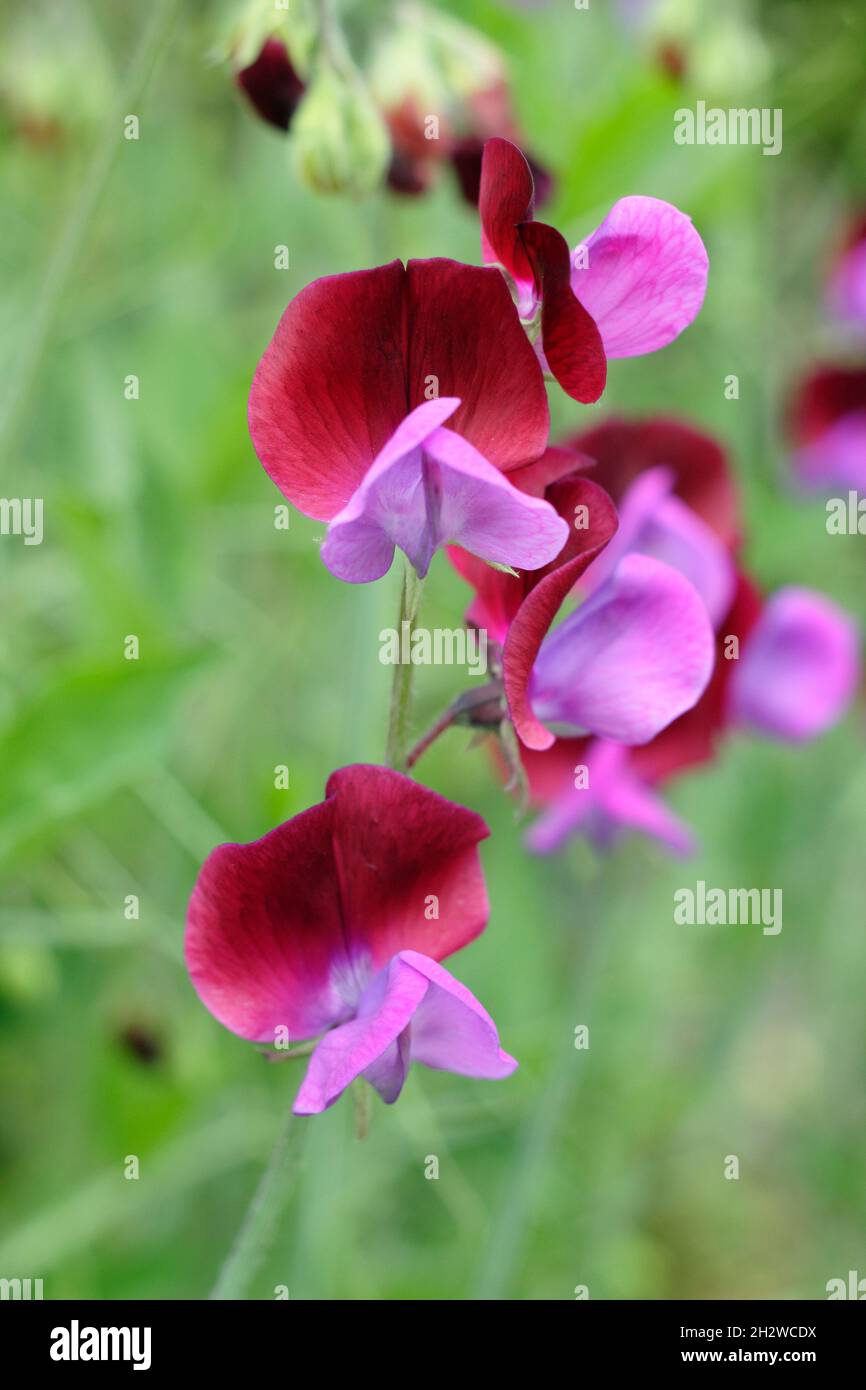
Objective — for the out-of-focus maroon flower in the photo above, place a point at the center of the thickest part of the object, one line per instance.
(827, 423)
(271, 84)
(335, 924)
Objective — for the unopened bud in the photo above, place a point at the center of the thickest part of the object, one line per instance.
(339, 141)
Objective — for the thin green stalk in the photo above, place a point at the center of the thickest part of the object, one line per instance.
(258, 1230)
(397, 744)
(74, 227)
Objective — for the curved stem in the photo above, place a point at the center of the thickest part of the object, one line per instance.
(401, 689)
(259, 1226)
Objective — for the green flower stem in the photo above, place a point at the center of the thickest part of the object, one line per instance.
(396, 746)
(259, 1227)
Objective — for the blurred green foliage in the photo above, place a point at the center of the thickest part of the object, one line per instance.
(155, 257)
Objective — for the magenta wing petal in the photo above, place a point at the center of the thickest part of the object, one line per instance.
(429, 486)
(799, 668)
(541, 604)
(636, 655)
(413, 1010)
(645, 277)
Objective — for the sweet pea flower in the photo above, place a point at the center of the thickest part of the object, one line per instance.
(394, 403)
(828, 429)
(800, 668)
(635, 655)
(334, 924)
(797, 671)
(631, 287)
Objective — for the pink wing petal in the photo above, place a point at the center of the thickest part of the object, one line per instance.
(413, 1010)
(652, 522)
(646, 275)
(546, 594)
(429, 486)
(799, 669)
(637, 654)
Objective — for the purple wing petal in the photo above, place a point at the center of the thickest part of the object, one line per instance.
(429, 486)
(799, 669)
(636, 655)
(642, 275)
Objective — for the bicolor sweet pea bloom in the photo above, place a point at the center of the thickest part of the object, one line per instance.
(394, 404)
(846, 289)
(631, 287)
(334, 924)
(828, 428)
(629, 660)
(796, 672)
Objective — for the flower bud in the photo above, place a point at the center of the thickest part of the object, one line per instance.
(339, 141)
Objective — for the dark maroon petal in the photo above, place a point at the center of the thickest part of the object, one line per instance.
(555, 463)
(570, 338)
(331, 387)
(464, 336)
(466, 159)
(703, 479)
(287, 931)
(549, 589)
(272, 85)
(505, 201)
(407, 863)
(407, 175)
(823, 397)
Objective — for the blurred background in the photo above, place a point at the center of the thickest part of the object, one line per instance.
(155, 258)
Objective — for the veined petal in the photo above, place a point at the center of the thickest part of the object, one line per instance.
(645, 276)
(799, 669)
(635, 656)
(429, 486)
(287, 931)
(414, 1009)
(505, 200)
(653, 522)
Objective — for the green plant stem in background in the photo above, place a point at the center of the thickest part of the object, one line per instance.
(259, 1227)
(154, 42)
(396, 746)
